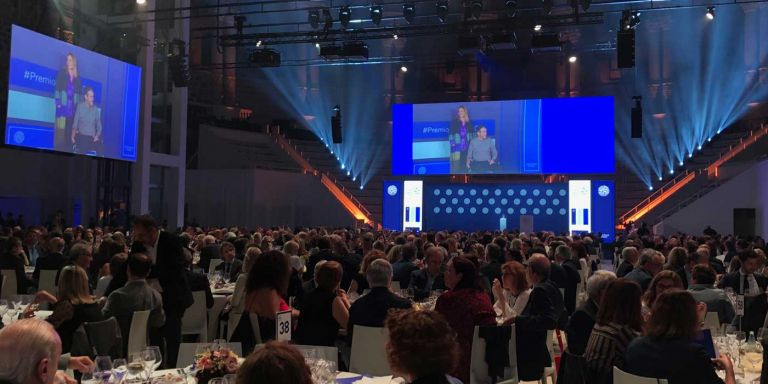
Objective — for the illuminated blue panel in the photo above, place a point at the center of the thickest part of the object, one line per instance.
(424, 150)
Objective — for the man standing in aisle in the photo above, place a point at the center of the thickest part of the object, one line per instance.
(167, 276)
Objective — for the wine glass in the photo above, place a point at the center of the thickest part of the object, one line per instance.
(119, 369)
(103, 368)
(135, 365)
(152, 359)
(230, 379)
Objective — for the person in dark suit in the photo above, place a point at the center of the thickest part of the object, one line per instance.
(667, 350)
(650, 263)
(32, 247)
(402, 269)
(371, 310)
(495, 257)
(745, 281)
(430, 278)
(629, 256)
(12, 258)
(230, 267)
(583, 319)
(563, 257)
(53, 260)
(210, 250)
(694, 258)
(544, 309)
(165, 251)
(324, 253)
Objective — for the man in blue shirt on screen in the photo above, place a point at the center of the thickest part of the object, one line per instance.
(86, 127)
(482, 154)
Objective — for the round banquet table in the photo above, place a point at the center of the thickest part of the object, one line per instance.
(341, 377)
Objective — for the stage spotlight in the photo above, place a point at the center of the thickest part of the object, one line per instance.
(690, 155)
(317, 45)
(403, 69)
(510, 7)
(354, 178)
(537, 27)
(345, 15)
(395, 36)
(650, 187)
(699, 147)
(259, 43)
(681, 163)
(546, 6)
(441, 7)
(314, 18)
(409, 12)
(141, 2)
(572, 59)
(711, 13)
(476, 7)
(347, 172)
(671, 171)
(327, 20)
(376, 13)
(361, 187)
(630, 19)
(342, 166)
(660, 178)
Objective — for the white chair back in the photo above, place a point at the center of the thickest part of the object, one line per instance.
(621, 377)
(214, 263)
(712, 322)
(322, 352)
(368, 356)
(187, 352)
(479, 368)
(9, 283)
(137, 337)
(195, 320)
(102, 285)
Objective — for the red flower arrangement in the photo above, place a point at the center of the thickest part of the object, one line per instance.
(217, 363)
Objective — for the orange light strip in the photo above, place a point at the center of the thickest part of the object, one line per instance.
(353, 207)
(659, 199)
(712, 170)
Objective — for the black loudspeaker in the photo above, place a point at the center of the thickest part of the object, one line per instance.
(637, 119)
(625, 41)
(336, 125)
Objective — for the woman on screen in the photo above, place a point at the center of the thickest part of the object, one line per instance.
(68, 94)
(460, 135)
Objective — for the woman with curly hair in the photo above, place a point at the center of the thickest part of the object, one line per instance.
(422, 347)
(663, 281)
(275, 363)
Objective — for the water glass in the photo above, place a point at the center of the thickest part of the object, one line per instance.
(230, 379)
(136, 366)
(152, 358)
(119, 369)
(103, 368)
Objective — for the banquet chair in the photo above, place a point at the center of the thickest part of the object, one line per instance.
(137, 336)
(321, 352)
(368, 356)
(47, 281)
(9, 284)
(102, 285)
(621, 377)
(479, 367)
(104, 338)
(195, 320)
(187, 352)
(550, 371)
(214, 263)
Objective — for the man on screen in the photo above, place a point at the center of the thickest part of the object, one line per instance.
(482, 152)
(86, 128)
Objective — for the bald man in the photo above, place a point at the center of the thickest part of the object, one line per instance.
(29, 352)
(544, 312)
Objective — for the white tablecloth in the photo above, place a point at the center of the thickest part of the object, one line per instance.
(175, 372)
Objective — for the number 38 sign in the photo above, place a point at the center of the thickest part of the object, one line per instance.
(283, 320)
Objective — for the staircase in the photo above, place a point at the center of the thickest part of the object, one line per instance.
(312, 155)
(702, 174)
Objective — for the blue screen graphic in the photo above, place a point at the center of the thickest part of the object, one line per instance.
(68, 99)
(541, 136)
(473, 207)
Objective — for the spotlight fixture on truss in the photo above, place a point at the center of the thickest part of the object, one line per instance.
(409, 11)
(630, 19)
(711, 13)
(376, 14)
(441, 8)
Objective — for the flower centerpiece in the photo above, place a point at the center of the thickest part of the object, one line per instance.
(215, 363)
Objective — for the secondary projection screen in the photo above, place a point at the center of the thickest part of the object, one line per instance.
(68, 99)
(540, 136)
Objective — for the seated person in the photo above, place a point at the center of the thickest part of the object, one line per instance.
(51, 261)
(231, 267)
(324, 310)
(197, 281)
(74, 306)
(371, 310)
(13, 258)
(482, 152)
(430, 278)
(702, 288)
(422, 347)
(136, 295)
(275, 363)
(512, 292)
